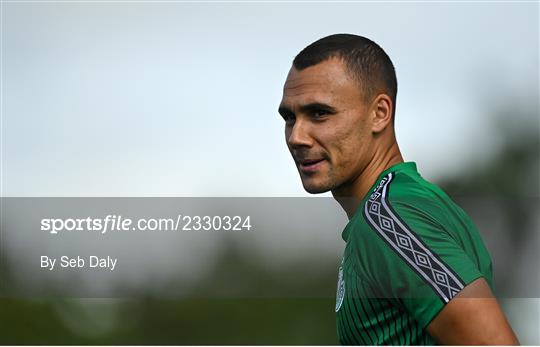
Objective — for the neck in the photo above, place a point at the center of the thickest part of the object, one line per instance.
(350, 195)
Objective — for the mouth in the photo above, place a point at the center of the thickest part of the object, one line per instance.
(310, 165)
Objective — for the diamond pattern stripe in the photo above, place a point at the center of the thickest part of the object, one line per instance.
(407, 244)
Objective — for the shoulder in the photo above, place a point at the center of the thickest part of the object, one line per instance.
(406, 195)
(395, 196)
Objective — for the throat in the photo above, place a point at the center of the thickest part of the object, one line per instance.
(350, 195)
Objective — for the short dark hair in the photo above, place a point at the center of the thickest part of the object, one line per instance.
(365, 60)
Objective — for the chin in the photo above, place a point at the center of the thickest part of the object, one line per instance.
(315, 188)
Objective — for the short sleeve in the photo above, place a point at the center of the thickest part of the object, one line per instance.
(408, 256)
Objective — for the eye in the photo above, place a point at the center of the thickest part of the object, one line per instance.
(289, 118)
(320, 113)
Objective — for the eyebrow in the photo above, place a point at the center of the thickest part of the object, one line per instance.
(314, 106)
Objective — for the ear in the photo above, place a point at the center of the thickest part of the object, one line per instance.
(382, 109)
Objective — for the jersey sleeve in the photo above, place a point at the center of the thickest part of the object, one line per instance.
(411, 258)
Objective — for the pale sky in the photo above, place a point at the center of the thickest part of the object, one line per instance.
(180, 99)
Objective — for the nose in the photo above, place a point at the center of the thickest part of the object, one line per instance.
(299, 135)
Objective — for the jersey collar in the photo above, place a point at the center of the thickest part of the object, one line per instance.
(405, 166)
(409, 166)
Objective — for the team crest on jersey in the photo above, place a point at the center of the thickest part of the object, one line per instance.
(340, 288)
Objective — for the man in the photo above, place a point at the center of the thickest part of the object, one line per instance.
(414, 270)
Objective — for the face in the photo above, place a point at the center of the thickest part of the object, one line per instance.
(326, 126)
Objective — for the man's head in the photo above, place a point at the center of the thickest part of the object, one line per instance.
(338, 105)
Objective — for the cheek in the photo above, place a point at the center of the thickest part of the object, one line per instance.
(349, 148)
(287, 135)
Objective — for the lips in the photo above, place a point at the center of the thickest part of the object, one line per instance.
(310, 165)
(307, 162)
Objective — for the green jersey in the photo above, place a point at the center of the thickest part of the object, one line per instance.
(410, 249)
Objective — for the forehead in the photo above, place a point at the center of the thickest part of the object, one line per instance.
(328, 81)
